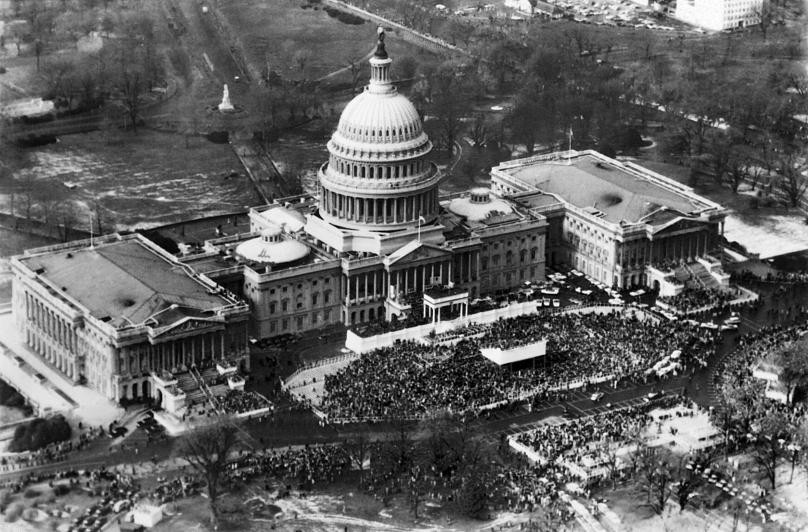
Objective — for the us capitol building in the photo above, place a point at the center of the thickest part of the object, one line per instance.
(377, 243)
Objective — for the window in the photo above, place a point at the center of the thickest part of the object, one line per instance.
(272, 307)
(299, 322)
(285, 305)
(273, 325)
(285, 324)
(326, 296)
(272, 291)
(284, 290)
(314, 298)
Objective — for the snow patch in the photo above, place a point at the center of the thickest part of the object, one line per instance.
(768, 235)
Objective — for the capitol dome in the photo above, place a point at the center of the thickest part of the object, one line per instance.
(378, 177)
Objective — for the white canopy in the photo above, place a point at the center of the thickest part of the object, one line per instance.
(508, 356)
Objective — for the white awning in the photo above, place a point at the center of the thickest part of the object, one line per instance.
(508, 356)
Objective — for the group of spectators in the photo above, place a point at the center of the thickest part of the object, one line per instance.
(237, 402)
(696, 298)
(54, 452)
(780, 277)
(409, 379)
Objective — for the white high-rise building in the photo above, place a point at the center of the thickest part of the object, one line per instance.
(719, 14)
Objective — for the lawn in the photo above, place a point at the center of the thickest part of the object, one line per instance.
(282, 31)
(139, 179)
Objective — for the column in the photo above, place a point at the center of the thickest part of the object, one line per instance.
(375, 286)
(356, 288)
(365, 275)
(395, 210)
(469, 262)
(406, 280)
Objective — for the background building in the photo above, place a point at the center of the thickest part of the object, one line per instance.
(378, 237)
(614, 221)
(113, 313)
(719, 14)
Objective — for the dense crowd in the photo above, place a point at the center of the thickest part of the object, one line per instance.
(580, 437)
(409, 379)
(305, 466)
(737, 368)
(698, 298)
(780, 277)
(237, 402)
(54, 452)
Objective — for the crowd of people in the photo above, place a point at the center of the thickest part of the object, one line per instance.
(410, 379)
(582, 436)
(237, 402)
(54, 452)
(780, 277)
(698, 298)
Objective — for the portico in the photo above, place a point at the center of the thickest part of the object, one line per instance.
(439, 298)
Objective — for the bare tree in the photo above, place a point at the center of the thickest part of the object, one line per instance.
(770, 436)
(765, 13)
(206, 449)
(657, 478)
(355, 66)
(793, 182)
(358, 449)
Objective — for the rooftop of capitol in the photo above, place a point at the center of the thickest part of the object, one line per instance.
(124, 281)
(622, 192)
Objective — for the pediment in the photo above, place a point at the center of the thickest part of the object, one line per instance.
(186, 326)
(416, 253)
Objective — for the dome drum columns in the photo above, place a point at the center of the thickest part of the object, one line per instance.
(378, 177)
(359, 212)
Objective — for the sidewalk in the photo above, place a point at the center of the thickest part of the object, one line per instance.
(91, 407)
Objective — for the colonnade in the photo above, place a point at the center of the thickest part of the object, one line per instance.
(51, 335)
(145, 357)
(684, 246)
(404, 209)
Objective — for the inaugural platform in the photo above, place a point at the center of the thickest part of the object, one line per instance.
(501, 356)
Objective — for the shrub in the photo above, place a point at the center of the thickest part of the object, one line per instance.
(10, 397)
(48, 498)
(30, 493)
(5, 498)
(61, 489)
(13, 512)
(40, 433)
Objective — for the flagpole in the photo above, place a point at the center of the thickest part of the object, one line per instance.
(91, 232)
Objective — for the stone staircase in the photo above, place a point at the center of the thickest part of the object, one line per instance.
(704, 277)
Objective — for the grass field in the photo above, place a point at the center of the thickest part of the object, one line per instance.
(143, 179)
(278, 30)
